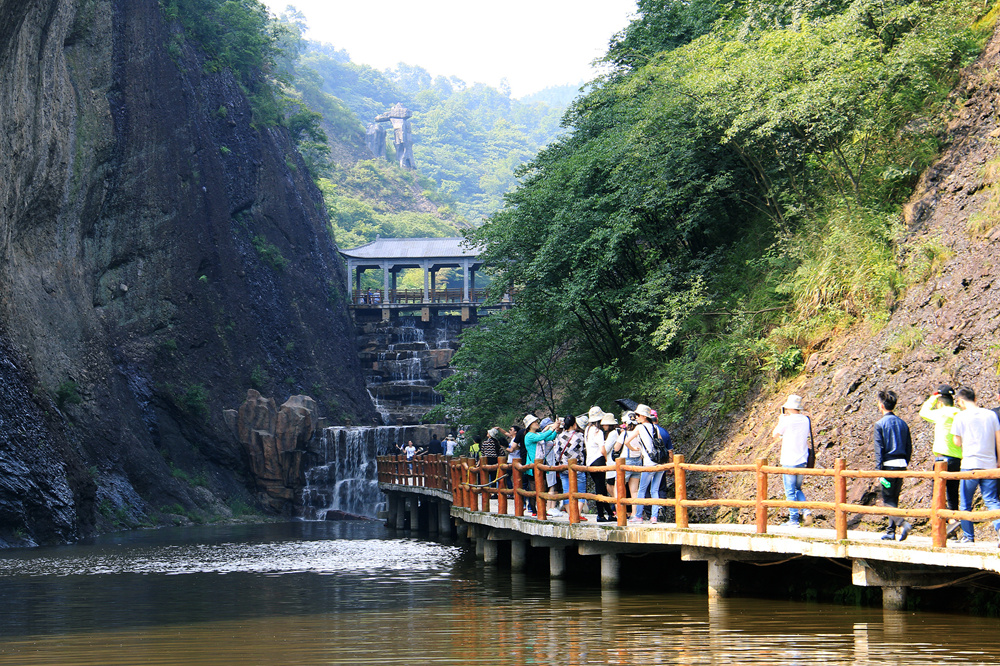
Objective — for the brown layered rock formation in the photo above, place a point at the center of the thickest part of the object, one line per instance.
(943, 330)
(161, 253)
(275, 442)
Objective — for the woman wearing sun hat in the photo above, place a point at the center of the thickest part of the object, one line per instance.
(597, 455)
(794, 429)
(533, 434)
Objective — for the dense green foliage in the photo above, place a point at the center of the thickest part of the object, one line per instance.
(726, 196)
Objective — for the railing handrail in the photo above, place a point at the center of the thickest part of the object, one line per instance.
(472, 487)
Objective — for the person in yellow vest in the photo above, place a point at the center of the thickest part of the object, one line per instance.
(940, 410)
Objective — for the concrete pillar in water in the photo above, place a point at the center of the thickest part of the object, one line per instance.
(432, 523)
(610, 570)
(444, 519)
(414, 514)
(557, 562)
(490, 551)
(718, 578)
(390, 514)
(401, 513)
(480, 547)
(462, 530)
(518, 555)
(893, 598)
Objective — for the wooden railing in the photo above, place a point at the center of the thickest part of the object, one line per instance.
(473, 485)
(416, 296)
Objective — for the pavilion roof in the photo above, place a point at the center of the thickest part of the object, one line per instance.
(411, 248)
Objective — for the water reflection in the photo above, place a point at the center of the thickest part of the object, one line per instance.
(330, 594)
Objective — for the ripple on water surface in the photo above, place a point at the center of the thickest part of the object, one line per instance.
(320, 594)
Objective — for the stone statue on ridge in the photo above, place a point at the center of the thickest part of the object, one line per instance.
(376, 140)
(399, 116)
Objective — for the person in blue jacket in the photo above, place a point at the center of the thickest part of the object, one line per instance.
(893, 449)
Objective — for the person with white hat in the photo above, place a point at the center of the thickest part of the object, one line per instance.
(597, 456)
(533, 434)
(795, 430)
(640, 442)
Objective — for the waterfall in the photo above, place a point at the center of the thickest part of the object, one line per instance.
(345, 478)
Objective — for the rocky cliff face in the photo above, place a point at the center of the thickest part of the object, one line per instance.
(944, 330)
(160, 256)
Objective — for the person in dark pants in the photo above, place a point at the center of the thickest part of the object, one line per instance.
(595, 438)
(893, 448)
(434, 446)
(940, 410)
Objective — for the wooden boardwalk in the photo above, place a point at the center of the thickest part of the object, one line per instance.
(486, 516)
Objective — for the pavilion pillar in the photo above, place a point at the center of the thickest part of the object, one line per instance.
(385, 282)
(433, 280)
(472, 282)
(395, 274)
(350, 282)
(465, 296)
(426, 267)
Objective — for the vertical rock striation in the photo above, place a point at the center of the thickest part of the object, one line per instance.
(160, 254)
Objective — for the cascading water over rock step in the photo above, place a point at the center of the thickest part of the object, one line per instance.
(345, 480)
(403, 360)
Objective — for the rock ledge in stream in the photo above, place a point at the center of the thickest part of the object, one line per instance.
(275, 441)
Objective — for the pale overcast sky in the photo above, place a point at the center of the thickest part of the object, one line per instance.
(533, 43)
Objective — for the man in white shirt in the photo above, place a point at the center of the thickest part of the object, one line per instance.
(977, 432)
(794, 428)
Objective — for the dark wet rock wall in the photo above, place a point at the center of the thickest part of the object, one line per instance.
(135, 199)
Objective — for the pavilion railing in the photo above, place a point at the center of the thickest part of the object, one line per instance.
(416, 296)
(474, 484)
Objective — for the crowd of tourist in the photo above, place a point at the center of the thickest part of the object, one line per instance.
(966, 438)
(594, 439)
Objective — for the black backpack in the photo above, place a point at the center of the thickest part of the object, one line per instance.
(660, 455)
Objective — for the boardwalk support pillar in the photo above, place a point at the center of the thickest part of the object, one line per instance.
(414, 514)
(444, 519)
(610, 570)
(491, 550)
(557, 562)
(718, 578)
(390, 514)
(401, 512)
(518, 555)
(894, 598)
(893, 581)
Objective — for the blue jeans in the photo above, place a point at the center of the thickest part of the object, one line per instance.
(649, 481)
(630, 473)
(581, 484)
(988, 487)
(793, 492)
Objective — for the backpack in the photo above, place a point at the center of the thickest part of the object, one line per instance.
(660, 455)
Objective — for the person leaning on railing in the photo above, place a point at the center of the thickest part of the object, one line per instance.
(570, 448)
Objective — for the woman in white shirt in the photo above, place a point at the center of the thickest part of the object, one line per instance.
(597, 455)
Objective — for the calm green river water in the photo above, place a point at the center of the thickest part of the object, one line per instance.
(349, 593)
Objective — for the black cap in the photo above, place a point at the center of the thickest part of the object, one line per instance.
(944, 389)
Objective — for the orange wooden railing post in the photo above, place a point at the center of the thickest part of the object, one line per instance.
(539, 501)
(939, 534)
(680, 490)
(484, 482)
(760, 510)
(574, 506)
(518, 497)
(621, 511)
(839, 498)
(501, 495)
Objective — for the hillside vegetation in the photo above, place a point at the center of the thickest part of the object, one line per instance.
(724, 201)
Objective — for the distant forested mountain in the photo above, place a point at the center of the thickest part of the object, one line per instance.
(469, 138)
